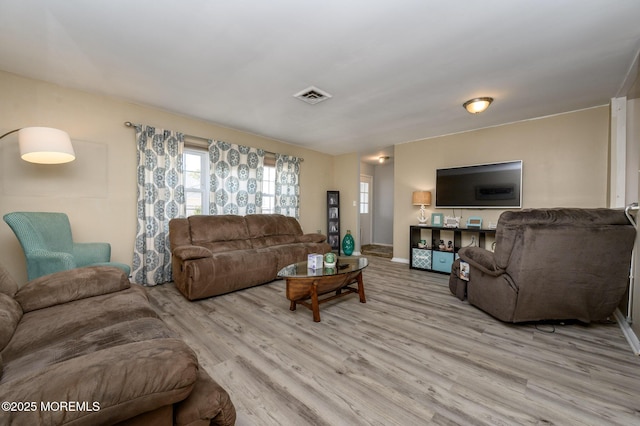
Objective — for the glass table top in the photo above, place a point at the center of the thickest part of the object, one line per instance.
(343, 265)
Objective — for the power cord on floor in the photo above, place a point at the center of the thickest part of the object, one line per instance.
(551, 327)
(550, 331)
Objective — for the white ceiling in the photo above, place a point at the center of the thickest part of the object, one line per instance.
(398, 70)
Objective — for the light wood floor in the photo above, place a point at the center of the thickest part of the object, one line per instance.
(412, 355)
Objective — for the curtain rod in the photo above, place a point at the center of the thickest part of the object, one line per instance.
(130, 124)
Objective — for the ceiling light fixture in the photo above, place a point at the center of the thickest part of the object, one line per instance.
(44, 145)
(477, 105)
(383, 158)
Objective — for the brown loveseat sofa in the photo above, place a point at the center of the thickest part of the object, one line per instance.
(550, 264)
(213, 255)
(84, 347)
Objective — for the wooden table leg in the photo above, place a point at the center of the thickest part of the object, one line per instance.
(292, 306)
(315, 306)
(361, 289)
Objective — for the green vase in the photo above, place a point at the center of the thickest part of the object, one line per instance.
(347, 244)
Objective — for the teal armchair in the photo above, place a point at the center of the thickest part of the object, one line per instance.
(48, 245)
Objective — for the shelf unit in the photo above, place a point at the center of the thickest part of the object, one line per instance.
(433, 259)
(333, 220)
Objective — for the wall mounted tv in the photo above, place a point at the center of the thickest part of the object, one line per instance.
(496, 185)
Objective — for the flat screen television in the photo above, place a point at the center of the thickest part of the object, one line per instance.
(496, 185)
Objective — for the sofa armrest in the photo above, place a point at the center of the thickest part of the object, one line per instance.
(207, 404)
(88, 253)
(312, 238)
(191, 252)
(67, 286)
(481, 259)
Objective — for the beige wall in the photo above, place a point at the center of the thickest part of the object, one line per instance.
(564, 165)
(98, 190)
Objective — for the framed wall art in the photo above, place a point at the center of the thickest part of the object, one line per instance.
(437, 219)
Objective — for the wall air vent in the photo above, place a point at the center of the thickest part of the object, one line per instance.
(312, 95)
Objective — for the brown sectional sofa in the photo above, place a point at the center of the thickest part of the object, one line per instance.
(89, 339)
(213, 255)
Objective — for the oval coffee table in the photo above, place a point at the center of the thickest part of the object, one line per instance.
(304, 283)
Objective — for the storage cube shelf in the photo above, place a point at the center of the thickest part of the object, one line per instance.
(435, 260)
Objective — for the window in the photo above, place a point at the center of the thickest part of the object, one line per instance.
(269, 189)
(196, 168)
(364, 197)
(196, 188)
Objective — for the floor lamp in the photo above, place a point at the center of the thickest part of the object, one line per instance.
(44, 145)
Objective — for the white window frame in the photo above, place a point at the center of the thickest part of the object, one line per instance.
(204, 189)
(268, 181)
(269, 189)
(364, 198)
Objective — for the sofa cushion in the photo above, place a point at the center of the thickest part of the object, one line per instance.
(208, 229)
(69, 322)
(10, 314)
(261, 225)
(66, 286)
(264, 230)
(289, 226)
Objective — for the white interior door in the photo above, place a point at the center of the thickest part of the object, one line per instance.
(366, 186)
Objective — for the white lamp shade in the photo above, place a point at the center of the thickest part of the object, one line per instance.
(45, 145)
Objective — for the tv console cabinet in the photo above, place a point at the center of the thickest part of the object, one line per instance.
(431, 258)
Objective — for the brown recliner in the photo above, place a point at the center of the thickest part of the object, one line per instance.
(550, 264)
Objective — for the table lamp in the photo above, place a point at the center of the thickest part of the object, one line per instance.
(421, 198)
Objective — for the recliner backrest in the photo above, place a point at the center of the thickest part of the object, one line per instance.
(41, 230)
(556, 255)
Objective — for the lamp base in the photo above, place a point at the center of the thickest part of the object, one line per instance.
(422, 218)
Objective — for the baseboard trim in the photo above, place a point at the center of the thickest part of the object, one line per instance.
(628, 332)
(400, 260)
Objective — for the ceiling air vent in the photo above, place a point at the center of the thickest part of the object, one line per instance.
(312, 95)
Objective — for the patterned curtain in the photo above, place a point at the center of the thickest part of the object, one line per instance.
(236, 179)
(160, 199)
(287, 186)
